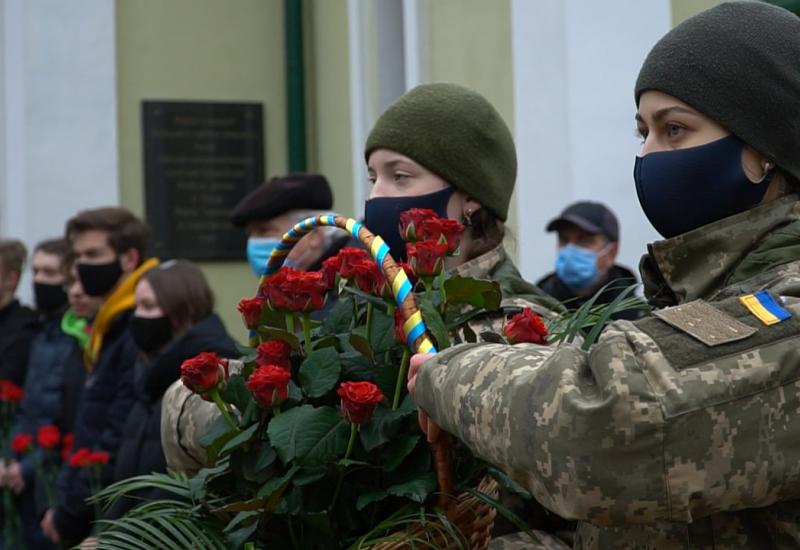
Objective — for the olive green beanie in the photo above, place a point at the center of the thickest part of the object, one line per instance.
(739, 64)
(456, 134)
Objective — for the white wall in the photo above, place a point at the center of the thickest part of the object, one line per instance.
(575, 65)
(58, 115)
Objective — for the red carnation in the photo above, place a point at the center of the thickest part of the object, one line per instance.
(80, 458)
(526, 326)
(22, 443)
(442, 230)
(48, 437)
(274, 352)
(269, 384)
(426, 257)
(203, 373)
(10, 392)
(98, 457)
(330, 268)
(251, 309)
(348, 256)
(411, 220)
(359, 400)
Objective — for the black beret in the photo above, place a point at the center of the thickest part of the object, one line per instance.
(282, 194)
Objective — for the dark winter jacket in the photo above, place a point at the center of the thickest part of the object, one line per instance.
(43, 399)
(103, 409)
(621, 277)
(140, 449)
(18, 326)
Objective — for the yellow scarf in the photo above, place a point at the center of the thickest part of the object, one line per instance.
(122, 299)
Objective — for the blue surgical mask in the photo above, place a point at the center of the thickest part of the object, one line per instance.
(258, 251)
(576, 266)
(382, 216)
(684, 189)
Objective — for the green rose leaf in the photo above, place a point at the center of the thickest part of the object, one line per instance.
(434, 322)
(361, 345)
(266, 456)
(397, 450)
(275, 484)
(320, 372)
(310, 474)
(477, 293)
(416, 489)
(385, 424)
(236, 392)
(239, 440)
(248, 354)
(309, 435)
(365, 499)
(340, 317)
(382, 335)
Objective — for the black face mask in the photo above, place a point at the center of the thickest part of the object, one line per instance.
(150, 334)
(382, 216)
(49, 297)
(98, 279)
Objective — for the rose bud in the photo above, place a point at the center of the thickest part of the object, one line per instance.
(269, 385)
(359, 400)
(251, 309)
(80, 458)
(349, 256)
(203, 373)
(330, 269)
(410, 221)
(22, 443)
(97, 458)
(526, 327)
(426, 257)
(274, 352)
(442, 230)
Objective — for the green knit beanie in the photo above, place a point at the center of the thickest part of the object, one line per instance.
(739, 64)
(456, 134)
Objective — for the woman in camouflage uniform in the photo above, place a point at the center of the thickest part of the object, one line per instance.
(440, 146)
(679, 430)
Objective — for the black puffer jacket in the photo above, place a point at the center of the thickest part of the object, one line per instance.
(140, 450)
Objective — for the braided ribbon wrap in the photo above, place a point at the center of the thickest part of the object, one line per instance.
(414, 327)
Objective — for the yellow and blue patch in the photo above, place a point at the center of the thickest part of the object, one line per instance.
(765, 308)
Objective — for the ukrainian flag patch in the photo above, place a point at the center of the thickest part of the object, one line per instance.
(765, 308)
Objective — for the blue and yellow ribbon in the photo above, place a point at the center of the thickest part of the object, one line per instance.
(765, 308)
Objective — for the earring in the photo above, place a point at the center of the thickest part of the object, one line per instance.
(767, 168)
(468, 218)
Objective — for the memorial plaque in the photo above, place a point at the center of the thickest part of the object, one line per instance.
(200, 159)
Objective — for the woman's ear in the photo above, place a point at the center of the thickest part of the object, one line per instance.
(129, 260)
(470, 207)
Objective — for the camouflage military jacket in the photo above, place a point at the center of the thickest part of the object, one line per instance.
(186, 417)
(652, 438)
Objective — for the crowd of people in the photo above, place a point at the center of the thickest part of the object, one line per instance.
(677, 429)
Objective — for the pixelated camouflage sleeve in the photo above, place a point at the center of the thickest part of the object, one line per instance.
(628, 432)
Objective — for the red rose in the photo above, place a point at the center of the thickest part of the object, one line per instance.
(66, 447)
(349, 256)
(359, 400)
(269, 384)
(10, 392)
(294, 290)
(426, 257)
(274, 352)
(251, 309)
(399, 335)
(330, 268)
(80, 458)
(203, 373)
(368, 277)
(48, 437)
(410, 221)
(98, 458)
(442, 230)
(22, 443)
(526, 326)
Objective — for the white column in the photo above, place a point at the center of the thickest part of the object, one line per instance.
(575, 65)
(59, 114)
(416, 42)
(360, 120)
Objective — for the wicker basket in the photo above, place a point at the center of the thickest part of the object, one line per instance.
(473, 517)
